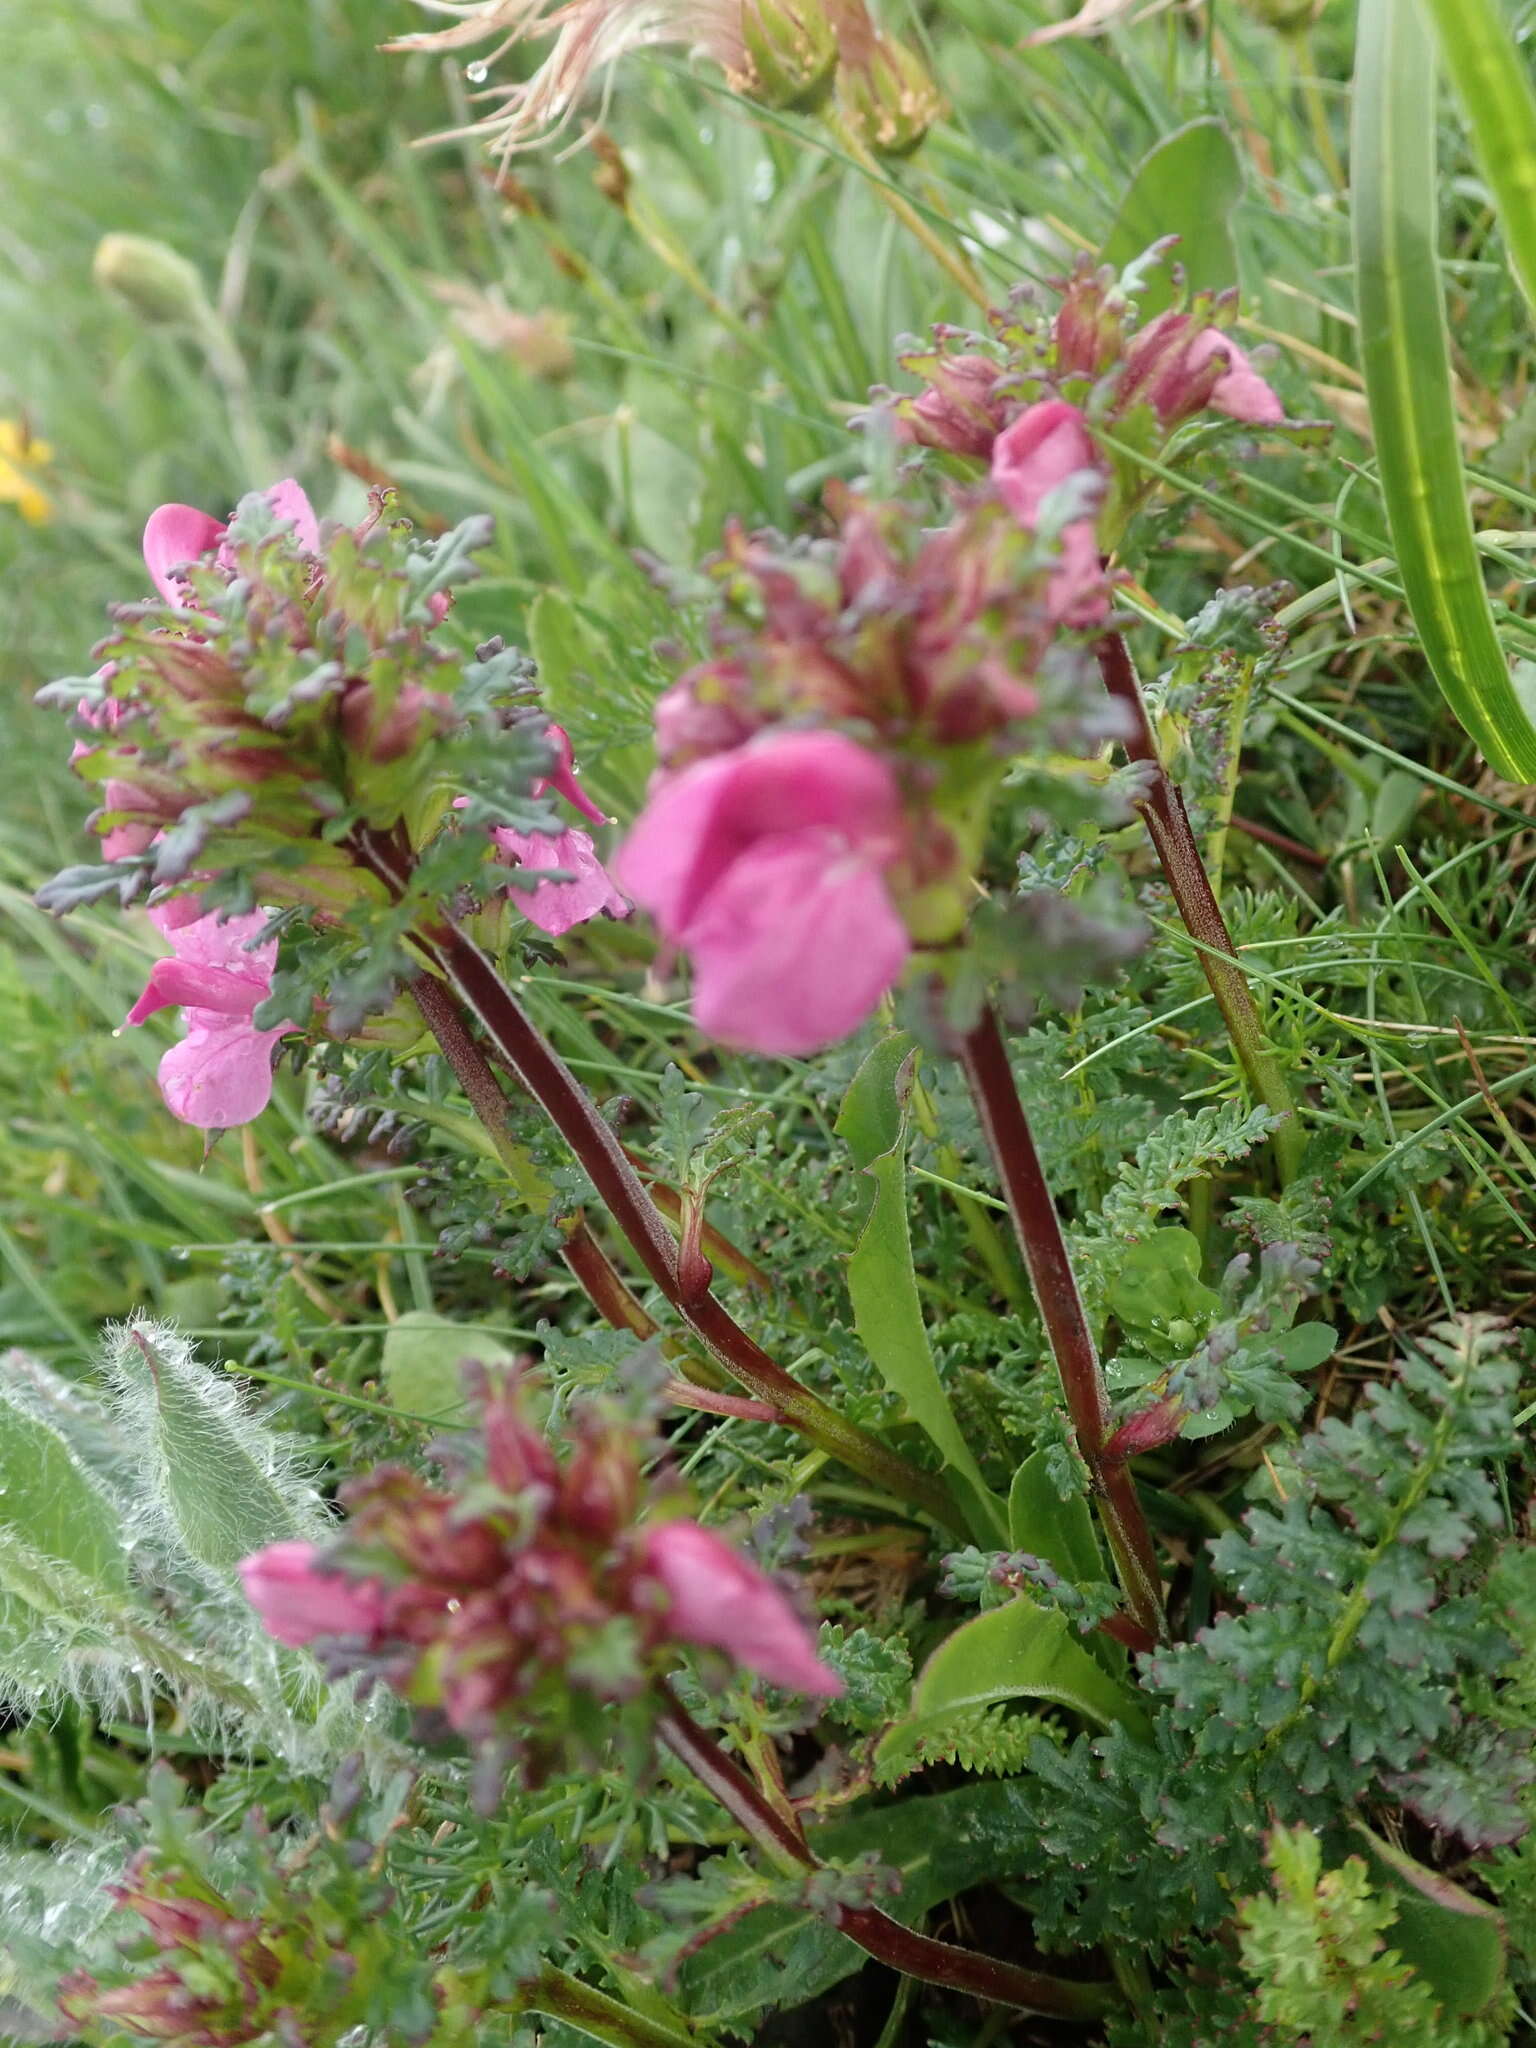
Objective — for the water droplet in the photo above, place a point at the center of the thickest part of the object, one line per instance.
(478, 72)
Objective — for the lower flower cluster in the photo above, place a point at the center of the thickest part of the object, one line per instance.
(531, 1583)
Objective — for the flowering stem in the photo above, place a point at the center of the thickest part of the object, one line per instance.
(591, 1266)
(989, 1076)
(544, 1075)
(1167, 822)
(549, 1081)
(900, 1948)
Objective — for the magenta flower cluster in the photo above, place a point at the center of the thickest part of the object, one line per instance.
(537, 1572)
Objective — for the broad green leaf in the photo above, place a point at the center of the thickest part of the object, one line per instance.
(219, 1476)
(1455, 1941)
(1041, 1522)
(1021, 1651)
(51, 1507)
(1405, 354)
(1492, 77)
(940, 1845)
(1186, 186)
(882, 1285)
(424, 1355)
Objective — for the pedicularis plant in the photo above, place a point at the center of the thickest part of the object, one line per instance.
(1015, 1626)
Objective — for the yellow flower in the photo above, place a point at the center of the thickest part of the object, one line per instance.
(20, 455)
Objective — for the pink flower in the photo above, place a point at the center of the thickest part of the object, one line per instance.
(959, 410)
(1240, 392)
(1047, 448)
(556, 906)
(716, 1598)
(177, 535)
(298, 1600)
(1180, 369)
(220, 1074)
(768, 864)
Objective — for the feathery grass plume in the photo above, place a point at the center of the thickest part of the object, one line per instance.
(781, 52)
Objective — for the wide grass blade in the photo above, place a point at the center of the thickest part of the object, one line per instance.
(1491, 75)
(1405, 354)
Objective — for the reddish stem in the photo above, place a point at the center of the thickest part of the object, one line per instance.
(900, 1948)
(540, 1070)
(989, 1074)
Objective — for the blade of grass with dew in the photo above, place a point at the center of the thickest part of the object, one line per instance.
(1405, 353)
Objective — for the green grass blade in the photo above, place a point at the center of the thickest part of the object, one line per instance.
(1405, 354)
(1492, 80)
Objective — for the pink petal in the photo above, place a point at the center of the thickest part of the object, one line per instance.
(556, 906)
(219, 1076)
(208, 940)
(702, 819)
(213, 989)
(717, 1598)
(288, 501)
(297, 1602)
(564, 777)
(175, 536)
(1045, 446)
(1241, 393)
(1035, 456)
(796, 945)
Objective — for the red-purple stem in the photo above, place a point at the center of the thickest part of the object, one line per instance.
(989, 1075)
(544, 1075)
(900, 1948)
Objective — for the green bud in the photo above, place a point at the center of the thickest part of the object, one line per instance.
(791, 53)
(161, 287)
(1285, 15)
(885, 95)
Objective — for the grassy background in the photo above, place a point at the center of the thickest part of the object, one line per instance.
(728, 285)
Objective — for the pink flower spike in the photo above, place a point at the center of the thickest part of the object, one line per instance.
(299, 1602)
(564, 777)
(556, 906)
(715, 1597)
(1047, 447)
(1240, 392)
(220, 1075)
(175, 536)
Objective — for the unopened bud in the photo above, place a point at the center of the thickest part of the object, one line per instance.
(885, 95)
(790, 49)
(1286, 15)
(161, 287)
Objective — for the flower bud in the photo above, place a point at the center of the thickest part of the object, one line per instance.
(790, 51)
(959, 411)
(1286, 15)
(382, 732)
(885, 96)
(298, 1602)
(161, 286)
(1089, 328)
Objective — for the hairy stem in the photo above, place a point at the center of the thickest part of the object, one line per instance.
(900, 1948)
(989, 1076)
(1167, 821)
